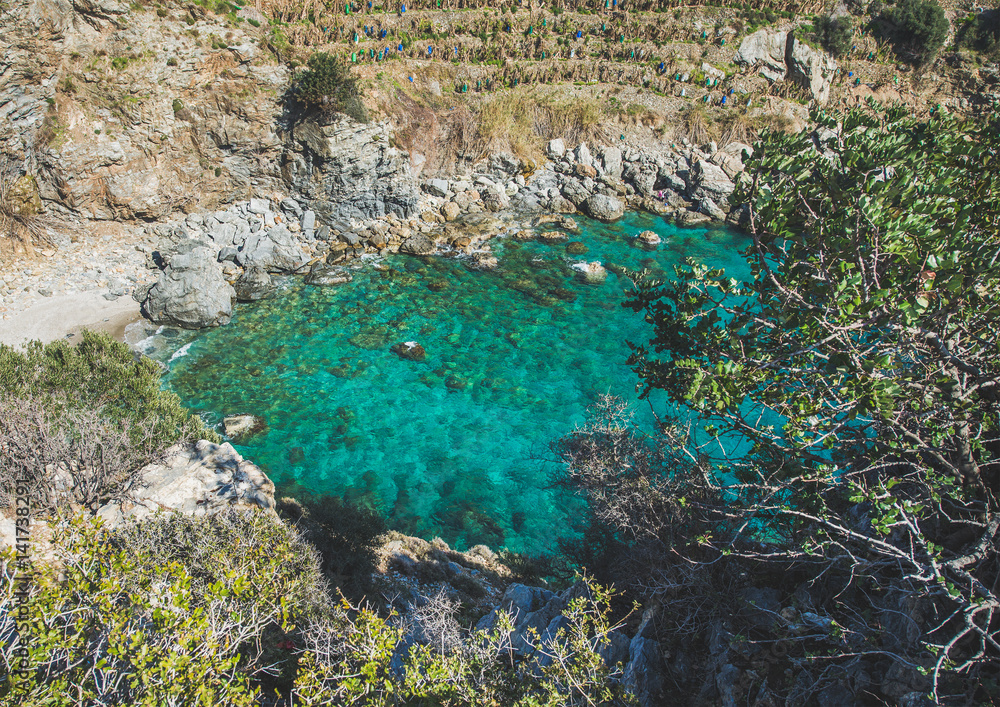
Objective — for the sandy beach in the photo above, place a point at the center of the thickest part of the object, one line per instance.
(65, 316)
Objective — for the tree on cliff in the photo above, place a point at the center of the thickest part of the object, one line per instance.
(857, 372)
(327, 86)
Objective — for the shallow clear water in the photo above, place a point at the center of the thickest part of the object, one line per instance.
(455, 445)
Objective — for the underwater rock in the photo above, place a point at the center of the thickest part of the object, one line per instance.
(552, 237)
(524, 235)
(592, 273)
(576, 248)
(241, 427)
(253, 285)
(321, 274)
(410, 350)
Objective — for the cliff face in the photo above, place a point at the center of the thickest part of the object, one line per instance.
(350, 171)
(149, 117)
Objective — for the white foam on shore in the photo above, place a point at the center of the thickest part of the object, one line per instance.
(181, 352)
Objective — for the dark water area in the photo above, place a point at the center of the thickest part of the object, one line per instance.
(455, 445)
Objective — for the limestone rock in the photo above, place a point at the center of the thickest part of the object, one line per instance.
(767, 49)
(418, 245)
(275, 250)
(196, 479)
(437, 187)
(813, 69)
(347, 170)
(604, 208)
(710, 181)
(254, 284)
(552, 237)
(612, 159)
(556, 148)
(482, 262)
(495, 198)
(647, 239)
(451, 211)
(730, 158)
(190, 293)
(710, 208)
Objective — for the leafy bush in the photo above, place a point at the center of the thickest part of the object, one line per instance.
(922, 25)
(93, 413)
(327, 86)
(834, 34)
(230, 610)
(856, 364)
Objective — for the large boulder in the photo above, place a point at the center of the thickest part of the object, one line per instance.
(730, 158)
(813, 69)
(190, 293)
(604, 208)
(709, 181)
(767, 50)
(612, 162)
(418, 245)
(196, 479)
(495, 198)
(274, 250)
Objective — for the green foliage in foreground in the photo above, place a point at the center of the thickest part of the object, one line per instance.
(327, 86)
(98, 373)
(860, 365)
(231, 610)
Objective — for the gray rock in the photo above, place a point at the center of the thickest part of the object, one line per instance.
(308, 221)
(710, 208)
(612, 160)
(190, 293)
(766, 49)
(575, 191)
(604, 208)
(276, 251)
(347, 170)
(583, 155)
(228, 254)
(322, 274)
(196, 479)
(437, 187)
(253, 285)
(291, 206)
(708, 181)
(812, 68)
(259, 206)
(495, 198)
(643, 674)
(350, 238)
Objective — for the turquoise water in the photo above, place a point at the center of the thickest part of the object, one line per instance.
(455, 445)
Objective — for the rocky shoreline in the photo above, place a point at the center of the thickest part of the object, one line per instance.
(207, 261)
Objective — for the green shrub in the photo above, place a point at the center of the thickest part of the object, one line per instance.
(834, 34)
(985, 32)
(95, 411)
(229, 610)
(177, 106)
(922, 25)
(327, 86)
